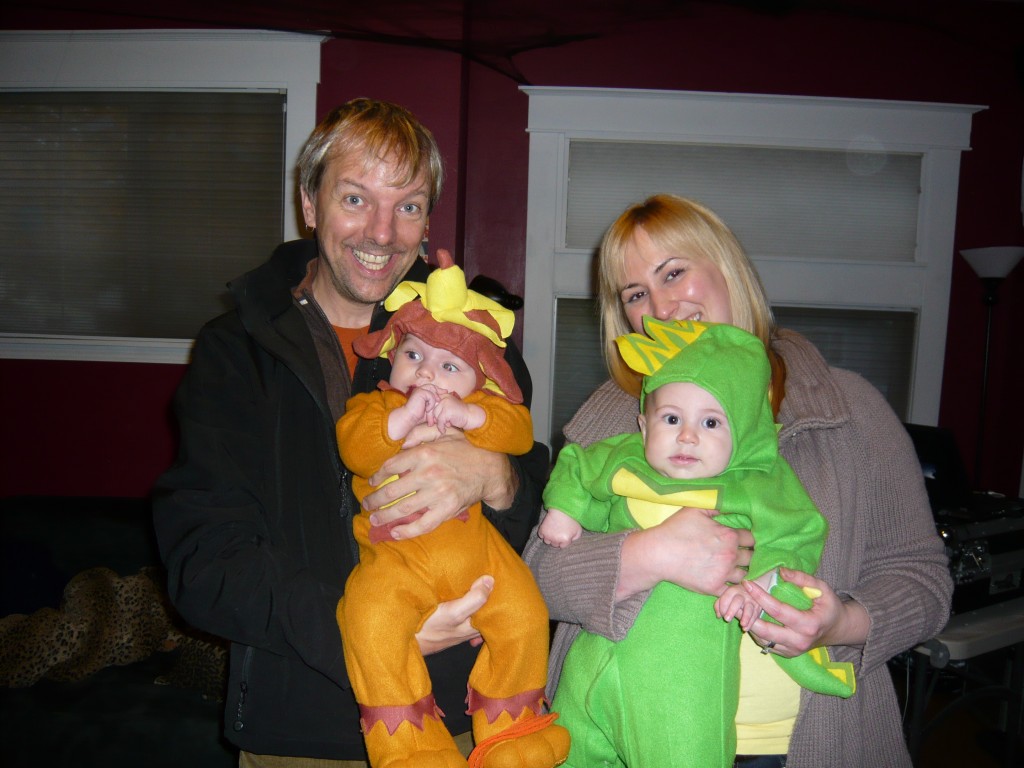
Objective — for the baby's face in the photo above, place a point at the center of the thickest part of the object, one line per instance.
(686, 434)
(417, 363)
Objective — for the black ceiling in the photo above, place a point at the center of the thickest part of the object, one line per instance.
(492, 32)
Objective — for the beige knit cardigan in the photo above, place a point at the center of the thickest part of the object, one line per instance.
(859, 466)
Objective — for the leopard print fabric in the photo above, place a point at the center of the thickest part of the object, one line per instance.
(202, 664)
(108, 620)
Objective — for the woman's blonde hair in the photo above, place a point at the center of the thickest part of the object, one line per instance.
(681, 226)
(374, 131)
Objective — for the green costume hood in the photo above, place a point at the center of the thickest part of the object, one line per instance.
(726, 361)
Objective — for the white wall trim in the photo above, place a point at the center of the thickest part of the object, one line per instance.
(740, 118)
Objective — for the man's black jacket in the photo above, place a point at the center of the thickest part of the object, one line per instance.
(254, 520)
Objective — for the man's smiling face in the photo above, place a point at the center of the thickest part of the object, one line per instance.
(369, 232)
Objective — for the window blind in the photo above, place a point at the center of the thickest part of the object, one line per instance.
(579, 366)
(878, 345)
(126, 213)
(780, 202)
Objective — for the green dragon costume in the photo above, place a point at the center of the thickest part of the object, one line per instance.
(666, 695)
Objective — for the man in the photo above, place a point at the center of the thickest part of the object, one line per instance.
(254, 521)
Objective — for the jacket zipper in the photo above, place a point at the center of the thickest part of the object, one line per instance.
(347, 512)
(243, 690)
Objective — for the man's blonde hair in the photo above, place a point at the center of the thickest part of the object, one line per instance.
(689, 229)
(373, 131)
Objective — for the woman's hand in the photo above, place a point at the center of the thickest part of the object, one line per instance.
(689, 549)
(830, 621)
(450, 623)
(446, 477)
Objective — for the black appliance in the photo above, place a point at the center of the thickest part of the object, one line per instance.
(983, 531)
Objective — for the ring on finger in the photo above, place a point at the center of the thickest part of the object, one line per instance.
(767, 647)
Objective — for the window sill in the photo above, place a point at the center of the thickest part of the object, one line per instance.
(96, 348)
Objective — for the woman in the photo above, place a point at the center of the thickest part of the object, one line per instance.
(883, 578)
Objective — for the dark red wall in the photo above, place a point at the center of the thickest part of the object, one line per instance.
(426, 82)
(102, 429)
(964, 59)
(85, 429)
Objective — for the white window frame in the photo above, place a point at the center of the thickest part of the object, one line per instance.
(212, 60)
(939, 132)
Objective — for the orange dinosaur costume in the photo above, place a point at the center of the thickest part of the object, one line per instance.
(398, 584)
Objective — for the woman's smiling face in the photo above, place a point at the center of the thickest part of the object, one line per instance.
(670, 286)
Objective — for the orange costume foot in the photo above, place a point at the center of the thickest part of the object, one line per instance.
(534, 741)
(411, 745)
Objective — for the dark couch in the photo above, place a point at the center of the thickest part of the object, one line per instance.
(117, 716)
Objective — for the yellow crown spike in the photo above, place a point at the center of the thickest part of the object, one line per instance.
(403, 293)
(647, 352)
(642, 354)
(447, 298)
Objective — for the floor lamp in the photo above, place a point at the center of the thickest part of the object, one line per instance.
(991, 265)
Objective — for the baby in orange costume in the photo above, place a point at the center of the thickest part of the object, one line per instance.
(448, 372)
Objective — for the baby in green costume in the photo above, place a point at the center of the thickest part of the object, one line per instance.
(666, 694)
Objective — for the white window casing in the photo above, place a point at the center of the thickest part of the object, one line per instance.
(916, 281)
(162, 60)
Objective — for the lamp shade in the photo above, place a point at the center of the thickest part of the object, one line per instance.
(997, 261)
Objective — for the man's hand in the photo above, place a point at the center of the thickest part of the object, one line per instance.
(450, 624)
(446, 477)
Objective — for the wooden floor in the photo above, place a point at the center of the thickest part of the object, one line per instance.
(970, 735)
(965, 739)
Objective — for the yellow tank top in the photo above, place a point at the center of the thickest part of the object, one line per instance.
(769, 700)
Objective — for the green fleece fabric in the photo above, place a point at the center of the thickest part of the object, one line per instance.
(666, 695)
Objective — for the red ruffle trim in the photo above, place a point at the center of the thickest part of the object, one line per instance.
(514, 705)
(394, 716)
